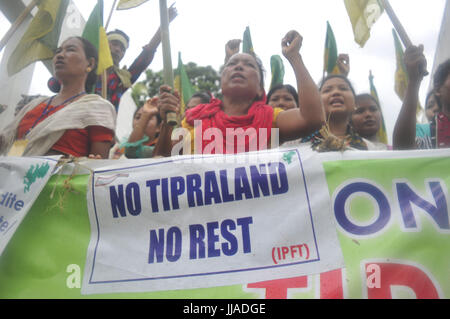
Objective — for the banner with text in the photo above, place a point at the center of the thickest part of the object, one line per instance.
(191, 222)
(21, 181)
(390, 211)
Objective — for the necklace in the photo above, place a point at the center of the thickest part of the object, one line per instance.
(48, 109)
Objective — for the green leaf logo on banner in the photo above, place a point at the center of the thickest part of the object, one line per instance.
(33, 174)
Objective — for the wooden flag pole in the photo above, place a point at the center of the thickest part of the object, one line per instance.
(398, 26)
(167, 59)
(17, 24)
(110, 15)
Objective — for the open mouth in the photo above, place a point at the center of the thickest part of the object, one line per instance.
(237, 76)
(337, 102)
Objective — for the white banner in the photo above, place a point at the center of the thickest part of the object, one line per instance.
(192, 222)
(21, 181)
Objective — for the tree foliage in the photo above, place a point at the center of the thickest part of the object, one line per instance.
(203, 79)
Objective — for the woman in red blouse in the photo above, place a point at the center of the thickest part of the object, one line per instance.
(243, 108)
(72, 122)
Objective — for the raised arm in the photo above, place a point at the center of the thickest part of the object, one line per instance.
(231, 48)
(148, 53)
(404, 134)
(310, 115)
(343, 63)
(149, 109)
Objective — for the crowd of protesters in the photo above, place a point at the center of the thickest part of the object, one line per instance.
(329, 117)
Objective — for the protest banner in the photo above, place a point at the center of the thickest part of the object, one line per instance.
(390, 211)
(22, 179)
(191, 222)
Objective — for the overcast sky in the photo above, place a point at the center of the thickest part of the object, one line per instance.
(204, 26)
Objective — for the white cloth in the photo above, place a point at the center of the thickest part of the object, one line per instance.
(375, 146)
(89, 110)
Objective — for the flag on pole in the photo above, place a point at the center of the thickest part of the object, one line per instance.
(41, 38)
(128, 4)
(331, 53)
(182, 84)
(363, 14)
(382, 133)
(96, 34)
(401, 76)
(277, 69)
(247, 45)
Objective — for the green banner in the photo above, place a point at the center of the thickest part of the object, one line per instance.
(391, 215)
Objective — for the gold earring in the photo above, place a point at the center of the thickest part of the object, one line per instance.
(89, 69)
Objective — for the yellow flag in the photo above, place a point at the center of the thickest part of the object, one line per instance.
(363, 14)
(401, 76)
(41, 38)
(104, 53)
(128, 4)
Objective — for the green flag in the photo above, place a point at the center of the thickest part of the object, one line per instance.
(277, 68)
(382, 133)
(41, 38)
(182, 84)
(247, 45)
(331, 53)
(96, 34)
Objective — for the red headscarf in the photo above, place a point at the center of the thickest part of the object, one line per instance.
(259, 116)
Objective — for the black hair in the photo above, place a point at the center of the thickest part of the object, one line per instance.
(367, 96)
(91, 52)
(158, 116)
(333, 76)
(121, 33)
(442, 72)
(429, 95)
(261, 69)
(203, 96)
(288, 87)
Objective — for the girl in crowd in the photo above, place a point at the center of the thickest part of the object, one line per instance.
(283, 96)
(431, 110)
(431, 106)
(71, 122)
(244, 107)
(437, 134)
(366, 121)
(338, 98)
(146, 127)
(198, 98)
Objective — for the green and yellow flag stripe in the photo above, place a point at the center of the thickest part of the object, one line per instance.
(96, 34)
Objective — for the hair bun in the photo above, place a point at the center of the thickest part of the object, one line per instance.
(54, 85)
